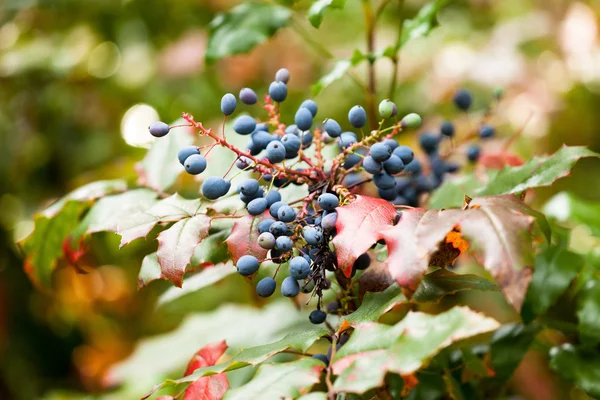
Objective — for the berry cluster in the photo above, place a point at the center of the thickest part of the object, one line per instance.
(299, 233)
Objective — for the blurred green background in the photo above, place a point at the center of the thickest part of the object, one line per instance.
(81, 80)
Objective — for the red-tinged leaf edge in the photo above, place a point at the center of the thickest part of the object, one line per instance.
(207, 387)
(499, 160)
(72, 255)
(360, 225)
(244, 238)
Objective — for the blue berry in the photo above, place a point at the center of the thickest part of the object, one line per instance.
(486, 131)
(249, 187)
(402, 183)
(317, 317)
(257, 206)
(438, 166)
(284, 244)
(351, 160)
(328, 221)
(159, 129)
(429, 142)
(286, 214)
(195, 164)
(244, 125)
(306, 138)
(275, 152)
(405, 153)
(261, 139)
(387, 194)
(214, 187)
(393, 165)
(392, 143)
(290, 287)
(357, 116)
(463, 99)
(313, 236)
(383, 180)
(228, 103)
(321, 357)
(266, 240)
(308, 287)
(380, 152)
(278, 228)
(311, 105)
(328, 201)
(372, 166)
(447, 128)
(247, 265)
(423, 184)
(266, 287)
(185, 152)
(248, 198)
(273, 197)
(253, 148)
(413, 167)
(346, 140)
(274, 208)
(473, 152)
(303, 119)
(248, 96)
(293, 129)
(452, 167)
(278, 91)
(299, 268)
(282, 75)
(362, 262)
(291, 143)
(332, 128)
(265, 224)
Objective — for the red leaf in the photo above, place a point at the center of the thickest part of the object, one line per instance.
(404, 262)
(176, 246)
(360, 225)
(73, 255)
(500, 160)
(207, 387)
(244, 236)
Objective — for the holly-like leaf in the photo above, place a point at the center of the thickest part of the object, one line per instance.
(359, 225)
(280, 381)
(422, 24)
(244, 238)
(566, 207)
(442, 282)
(588, 310)
(88, 192)
(339, 69)
(375, 349)
(160, 167)
(375, 305)
(171, 209)
(176, 246)
(581, 366)
(452, 192)
(43, 247)
(537, 172)
(554, 269)
(317, 10)
(207, 387)
(244, 27)
(150, 270)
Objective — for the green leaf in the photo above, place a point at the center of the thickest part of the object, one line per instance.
(375, 349)
(88, 192)
(579, 366)
(537, 172)
(442, 282)
(375, 305)
(244, 27)
(452, 192)
(588, 312)
(568, 207)
(318, 8)
(278, 381)
(171, 209)
(212, 250)
(554, 269)
(176, 246)
(339, 69)
(150, 270)
(509, 345)
(314, 396)
(44, 246)
(422, 24)
(160, 167)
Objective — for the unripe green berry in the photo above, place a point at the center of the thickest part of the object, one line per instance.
(386, 108)
(411, 121)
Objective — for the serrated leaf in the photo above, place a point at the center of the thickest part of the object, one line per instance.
(211, 250)
(150, 270)
(554, 269)
(243, 27)
(317, 10)
(359, 225)
(442, 282)
(508, 347)
(88, 192)
(160, 167)
(243, 239)
(43, 247)
(207, 387)
(375, 305)
(567, 207)
(339, 69)
(171, 209)
(278, 381)
(537, 172)
(588, 310)
(452, 192)
(422, 24)
(375, 349)
(577, 365)
(176, 246)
